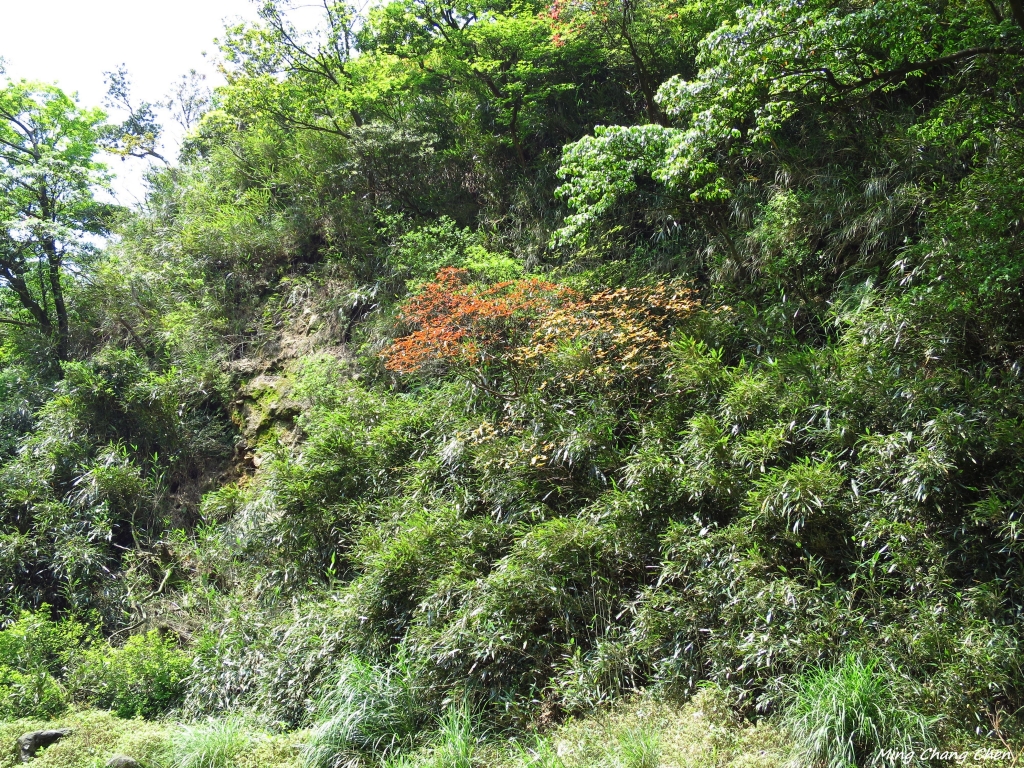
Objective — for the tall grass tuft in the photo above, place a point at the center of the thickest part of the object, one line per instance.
(849, 716)
(455, 742)
(640, 748)
(371, 708)
(213, 744)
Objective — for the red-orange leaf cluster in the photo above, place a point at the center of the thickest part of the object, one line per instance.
(455, 322)
(569, 19)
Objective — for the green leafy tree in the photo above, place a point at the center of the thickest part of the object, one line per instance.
(49, 175)
(775, 63)
(830, 124)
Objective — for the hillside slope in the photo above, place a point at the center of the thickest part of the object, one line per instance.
(482, 368)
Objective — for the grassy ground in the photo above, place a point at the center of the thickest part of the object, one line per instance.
(640, 733)
(703, 733)
(98, 735)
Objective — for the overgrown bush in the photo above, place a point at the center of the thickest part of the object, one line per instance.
(145, 677)
(109, 463)
(36, 655)
(35, 640)
(30, 694)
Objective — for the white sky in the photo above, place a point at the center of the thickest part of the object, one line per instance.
(73, 42)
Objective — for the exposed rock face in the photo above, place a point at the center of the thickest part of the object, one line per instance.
(31, 742)
(122, 761)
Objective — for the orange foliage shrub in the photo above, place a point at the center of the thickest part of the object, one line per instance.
(459, 323)
(523, 326)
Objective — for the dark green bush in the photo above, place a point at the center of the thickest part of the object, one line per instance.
(114, 455)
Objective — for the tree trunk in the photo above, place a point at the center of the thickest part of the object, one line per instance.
(647, 86)
(60, 309)
(1017, 10)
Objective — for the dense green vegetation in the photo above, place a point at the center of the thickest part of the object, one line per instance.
(482, 367)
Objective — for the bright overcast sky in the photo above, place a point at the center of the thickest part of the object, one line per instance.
(73, 42)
